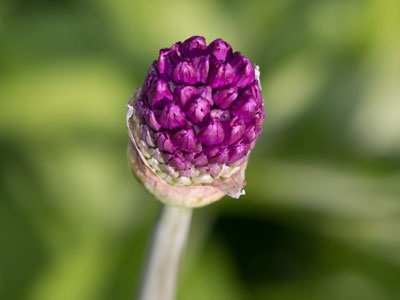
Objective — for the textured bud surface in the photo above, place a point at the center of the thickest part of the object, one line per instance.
(197, 116)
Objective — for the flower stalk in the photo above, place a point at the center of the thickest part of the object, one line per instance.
(167, 245)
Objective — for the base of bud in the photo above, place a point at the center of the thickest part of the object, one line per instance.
(183, 196)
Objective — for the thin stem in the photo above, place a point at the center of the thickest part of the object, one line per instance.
(168, 241)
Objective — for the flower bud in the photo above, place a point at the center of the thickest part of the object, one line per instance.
(185, 73)
(221, 75)
(225, 97)
(197, 110)
(159, 94)
(220, 49)
(164, 142)
(194, 121)
(172, 117)
(194, 46)
(212, 133)
(244, 71)
(185, 140)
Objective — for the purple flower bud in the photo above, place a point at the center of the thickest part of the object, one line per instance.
(253, 91)
(140, 110)
(176, 160)
(194, 46)
(178, 163)
(245, 108)
(184, 93)
(225, 97)
(212, 133)
(212, 169)
(234, 131)
(221, 75)
(165, 65)
(222, 115)
(205, 92)
(198, 159)
(237, 152)
(251, 134)
(201, 65)
(175, 54)
(220, 49)
(259, 117)
(197, 110)
(150, 78)
(159, 94)
(151, 119)
(189, 172)
(245, 73)
(185, 140)
(172, 117)
(215, 154)
(185, 73)
(164, 142)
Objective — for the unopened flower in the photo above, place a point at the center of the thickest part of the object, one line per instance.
(194, 121)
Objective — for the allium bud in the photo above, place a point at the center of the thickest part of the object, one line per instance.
(224, 98)
(220, 49)
(194, 121)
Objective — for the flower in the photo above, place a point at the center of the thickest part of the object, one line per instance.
(196, 118)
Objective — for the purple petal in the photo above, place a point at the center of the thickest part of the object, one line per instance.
(184, 73)
(212, 169)
(140, 110)
(251, 134)
(159, 94)
(151, 120)
(234, 131)
(175, 55)
(164, 63)
(194, 46)
(218, 155)
(198, 159)
(222, 115)
(245, 108)
(176, 160)
(190, 172)
(201, 65)
(211, 151)
(172, 117)
(220, 49)
(237, 152)
(178, 163)
(259, 117)
(164, 142)
(197, 110)
(225, 97)
(253, 91)
(221, 75)
(205, 92)
(183, 94)
(150, 78)
(185, 140)
(212, 134)
(245, 73)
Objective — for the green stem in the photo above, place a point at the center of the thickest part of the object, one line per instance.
(168, 241)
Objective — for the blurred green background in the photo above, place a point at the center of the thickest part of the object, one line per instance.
(321, 217)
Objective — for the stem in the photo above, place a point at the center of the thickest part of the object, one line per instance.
(168, 241)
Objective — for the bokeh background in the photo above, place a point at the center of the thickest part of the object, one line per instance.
(321, 218)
